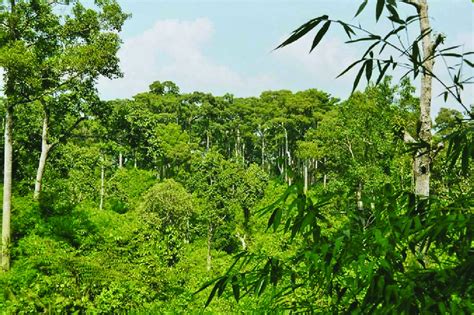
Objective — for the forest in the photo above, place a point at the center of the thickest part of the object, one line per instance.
(177, 202)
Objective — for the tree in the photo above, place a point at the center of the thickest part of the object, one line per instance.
(168, 207)
(416, 61)
(406, 253)
(45, 54)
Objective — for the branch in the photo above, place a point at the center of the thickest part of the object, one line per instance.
(407, 138)
(414, 3)
(68, 132)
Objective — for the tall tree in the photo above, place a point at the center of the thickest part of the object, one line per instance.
(415, 60)
(45, 53)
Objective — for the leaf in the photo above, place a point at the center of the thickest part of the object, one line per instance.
(296, 228)
(465, 158)
(394, 31)
(369, 50)
(262, 286)
(277, 221)
(274, 272)
(302, 30)
(350, 67)
(470, 63)
(415, 53)
(308, 219)
(206, 285)
(368, 69)
(235, 288)
(211, 296)
(450, 48)
(320, 35)
(272, 218)
(359, 75)
(394, 17)
(362, 7)
(379, 9)
(222, 284)
(451, 55)
(382, 72)
(349, 31)
(414, 58)
(371, 37)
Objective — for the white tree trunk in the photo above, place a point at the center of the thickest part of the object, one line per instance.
(45, 147)
(360, 203)
(242, 240)
(305, 176)
(237, 144)
(325, 177)
(120, 160)
(422, 167)
(209, 243)
(286, 157)
(7, 189)
(102, 185)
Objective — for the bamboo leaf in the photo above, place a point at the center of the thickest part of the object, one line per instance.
(350, 67)
(235, 288)
(359, 75)
(470, 63)
(272, 218)
(372, 37)
(349, 31)
(222, 284)
(451, 55)
(379, 9)
(213, 293)
(368, 69)
(382, 72)
(361, 8)
(277, 220)
(302, 30)
(320, 35)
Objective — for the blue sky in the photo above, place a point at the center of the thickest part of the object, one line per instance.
(226, 46)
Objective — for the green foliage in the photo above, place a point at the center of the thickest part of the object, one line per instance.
(126, 187)
(400, 256)
(148, 201)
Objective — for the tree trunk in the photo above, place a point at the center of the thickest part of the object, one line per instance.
(360, 203)
(305, 176)
(7, 189)
(325, 177)
(45, 148)
(286, 155)
(237, 144)
(242, 240)
(207, 141)
(209, 243)
(263, 151)
(102, 185)
(422, 163)
(120, 160)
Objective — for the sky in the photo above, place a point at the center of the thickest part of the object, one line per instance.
(227, 46)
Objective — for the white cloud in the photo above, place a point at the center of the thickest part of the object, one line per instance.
(174, 50)
(332, 56)
(321, 67)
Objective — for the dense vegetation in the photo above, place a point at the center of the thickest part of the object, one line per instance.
(184, 179)
(296, 201)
